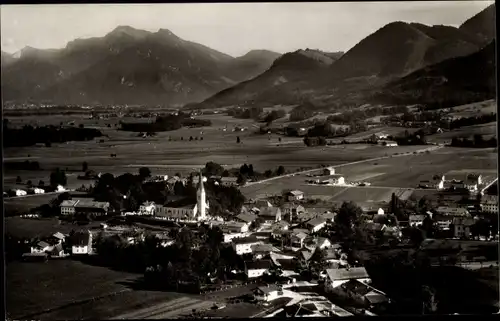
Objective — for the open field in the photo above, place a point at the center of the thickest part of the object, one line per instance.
(30, 228)
(474, 109)
(34, 287)
(487, 130)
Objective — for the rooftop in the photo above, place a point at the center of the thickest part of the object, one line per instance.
(268, 289)
(247, 217)
(261, 264)
(269, 211)
(347, 274)
(246, 240)
(296, 192)
(69, 203)
(316, 221)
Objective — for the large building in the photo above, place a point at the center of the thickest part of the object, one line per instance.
(83, 206)
(489, 204)
(189, 212)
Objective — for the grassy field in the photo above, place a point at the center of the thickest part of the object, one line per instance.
(487, 130)
(475, 109)
(34, 287)
(30, 228)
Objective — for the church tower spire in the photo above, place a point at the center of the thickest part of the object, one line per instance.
(201, 200)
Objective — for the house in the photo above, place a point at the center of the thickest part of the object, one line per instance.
(270, 214)
(81, 242)
(416, 219)
(297, 239)
(280, 226)
(261, 250)
(254, 269)
(247, 218)
(59, 237)
(462, 226)
(453, 211)
(328, 171)
(316, 224)
(292, 210)
(323, 243)
(244, 245)
(147, 208)
(489, 204)
(364, 294)
(229, 181)
(19, 192)
(443, 222)
(41, 247)
(234, 227)
(229, 236)
(164, 240)
(328, 216)
(473, 178)
(268, 293)
(68, 207)
(338, 277)
(295, 195)
(57, 251)
(438, 181)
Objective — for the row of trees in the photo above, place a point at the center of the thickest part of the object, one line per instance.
(165, 123)
(246, 113)
(29, 135)
(26, 165)
(476, 142)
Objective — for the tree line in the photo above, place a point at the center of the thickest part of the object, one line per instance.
(165, 123)
(29, 135)
(476, 142)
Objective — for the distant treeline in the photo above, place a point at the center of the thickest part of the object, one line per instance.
(29, 135)
(476, 142)
(165, 123)
(26, 165)
(469, 121)
(246, 113)
(348, 117)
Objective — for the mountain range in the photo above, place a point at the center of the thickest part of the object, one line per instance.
(399, 62)
(127, 66)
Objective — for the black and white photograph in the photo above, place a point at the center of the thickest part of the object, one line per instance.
(249, 160)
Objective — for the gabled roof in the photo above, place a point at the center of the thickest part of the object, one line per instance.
(42, 244)
(68, 203)
(262, 248)
(58, 235)
(81, 238)
(57, 249)
(375, 297)
(347, 274)
(246, 240)
(229, 179)
(306, 255)
(269, 211)
(257, 265)
(316, 221)
(357, 287)
(247, 217)
(296, 192)
(300, 235)
(268, 289)
(262, 203)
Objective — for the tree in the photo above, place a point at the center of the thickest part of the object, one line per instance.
(41, 183)
(19, 180)
(201, 138)
(81, 126)
(58, 177)
(244, 169)
(144, 172)
(429, 301)
(190, 138)
(225, 173)
(349, 216)
(238, 140)
(268, 173)
(213, 169)
(48, 144)
(182, 138)
(250, 170)
(241, 179)
(85, 166)
(29, 183)
(279, 139)
(280, 171)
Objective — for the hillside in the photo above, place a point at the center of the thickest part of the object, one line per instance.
(6, 59)
(292, 68)
(451, 82)
(482, 25)
(127, 66)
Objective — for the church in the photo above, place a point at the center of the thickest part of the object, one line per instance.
(191, 212)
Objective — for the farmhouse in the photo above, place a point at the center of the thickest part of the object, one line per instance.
(147, 208)
(262, 203)
(244, 245)
(328, 171)
(270, 214)
(84, 206)
(472, 182)
(81, 243)
(254, 269)
(462, 226)
(338, 277)
(297, 239)
(292, 210)
(364, 294)
(489, 203)
(295, 195)
(316, 224)
(268, 293)
(229, 181)
(41, 247)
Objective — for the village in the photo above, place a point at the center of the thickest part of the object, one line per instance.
(293, 254)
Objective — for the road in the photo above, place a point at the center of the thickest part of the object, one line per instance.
(168, 310)
(336, 166)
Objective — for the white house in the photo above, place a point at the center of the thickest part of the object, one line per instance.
(81, 243)
(41, 247)
(380, 211)
(254, 269)
(316, 224)
(340, 276)
(438, 181)
(244, 245)
(268, 293)
(323, 243)
(329, 171)
(416, 220)
(390, 143)
(295, 195)
(489, 204)
(147, 208)
(68, 207)
(20, 192)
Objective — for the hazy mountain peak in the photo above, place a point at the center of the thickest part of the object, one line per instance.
(128, 31)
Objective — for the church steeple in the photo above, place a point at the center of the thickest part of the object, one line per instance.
(201, 202)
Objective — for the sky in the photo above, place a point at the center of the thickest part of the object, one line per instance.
(232, 28)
